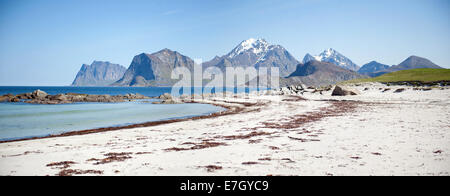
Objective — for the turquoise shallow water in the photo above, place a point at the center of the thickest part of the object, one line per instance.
(21, 120)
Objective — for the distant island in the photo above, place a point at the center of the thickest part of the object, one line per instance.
(99, 73)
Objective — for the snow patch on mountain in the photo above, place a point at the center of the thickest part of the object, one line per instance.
(257, 46)
(332, 56)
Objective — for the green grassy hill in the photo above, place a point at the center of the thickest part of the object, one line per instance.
(423, 75)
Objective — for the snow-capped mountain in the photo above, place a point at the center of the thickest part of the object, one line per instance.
(257, 53)
(259, 47)
(332, 56)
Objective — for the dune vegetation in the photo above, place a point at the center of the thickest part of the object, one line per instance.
(422, 75)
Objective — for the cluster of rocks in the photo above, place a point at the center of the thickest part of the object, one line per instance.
(167, 98)
(37, 94)
(41, 97)
(292, 90)
(299, 90)
(343, 90)
(9, 98)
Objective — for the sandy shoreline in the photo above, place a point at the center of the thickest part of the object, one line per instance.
(375, 133)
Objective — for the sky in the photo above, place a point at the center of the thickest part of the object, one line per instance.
(45, 42)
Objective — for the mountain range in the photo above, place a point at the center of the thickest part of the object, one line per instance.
(256, 53)
(99, 73)
(412, 62)
(155, 69)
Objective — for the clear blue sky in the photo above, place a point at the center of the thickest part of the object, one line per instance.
(44, 42)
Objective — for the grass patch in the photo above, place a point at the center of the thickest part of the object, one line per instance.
(423, 75)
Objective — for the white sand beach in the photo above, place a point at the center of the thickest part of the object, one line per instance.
(374, 133)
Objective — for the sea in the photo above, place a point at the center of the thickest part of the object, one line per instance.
(23, 120)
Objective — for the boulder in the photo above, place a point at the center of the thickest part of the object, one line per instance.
(399, 90)
(59, 97)
(135, 96)
(343, 91)
(128, 96)
(169, 101)
(4, 98)
(139, 96)
(165, 96)
(24, 96)
(285, 91)
(14, 99)
(39, 94)
(293, 89)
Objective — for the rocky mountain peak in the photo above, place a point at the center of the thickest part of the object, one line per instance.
(371, 67)
(99, 73)
(418, 62)
(256, 53)
(332, 56)
(256, 46)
